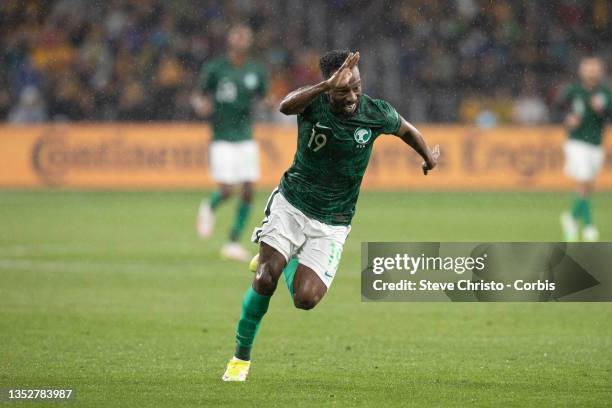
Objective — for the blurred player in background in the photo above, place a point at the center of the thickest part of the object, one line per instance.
(589, 104)
(308, 216)
(228, 88)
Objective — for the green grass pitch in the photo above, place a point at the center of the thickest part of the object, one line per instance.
(113, 295)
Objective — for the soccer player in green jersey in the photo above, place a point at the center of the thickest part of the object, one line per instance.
(308, 217)
(228, 88)
(589, 103)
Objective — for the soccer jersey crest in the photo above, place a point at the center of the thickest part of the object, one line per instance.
(362, 135)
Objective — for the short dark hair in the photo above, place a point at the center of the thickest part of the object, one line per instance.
(331, 61)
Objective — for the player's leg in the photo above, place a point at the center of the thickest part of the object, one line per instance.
(288, 272)
(242, 211)
(232, 249)
(247, 173)
(255, 304)
(318, 259)
(222, 170)
(583, 163)
(278, 236)
(575, 168)
(596, 158)
(257, 298)
(223, 192)
(581, 213)
(208, 206)
(590, 233)
(308, 288)
(581, 208)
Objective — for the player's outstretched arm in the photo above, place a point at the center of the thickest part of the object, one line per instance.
(411, 136)
(296, 101)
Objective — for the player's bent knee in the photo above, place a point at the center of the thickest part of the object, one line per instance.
(266, 277)
(306, 301)
(264, 282)
(308, 288)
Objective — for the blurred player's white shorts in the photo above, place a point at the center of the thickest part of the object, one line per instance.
(315, 244)
(583, 160)
(234, 162)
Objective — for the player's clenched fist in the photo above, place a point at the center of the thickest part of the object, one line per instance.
(432, 161)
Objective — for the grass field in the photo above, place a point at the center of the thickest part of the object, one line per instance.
(112, 294)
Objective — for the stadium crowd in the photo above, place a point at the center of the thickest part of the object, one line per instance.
(436, 60)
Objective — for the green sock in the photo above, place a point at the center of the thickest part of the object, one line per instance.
(254, 307)
(215, 199)
(289, 274)
(242, 215)
(581, 210)
(586, 212)
(577, 208)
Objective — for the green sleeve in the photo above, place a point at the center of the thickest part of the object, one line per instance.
(391, 117)
(208, 78)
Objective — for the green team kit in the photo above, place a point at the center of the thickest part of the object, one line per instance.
(233, 90)
(584, 155)
(332, 155)
(592, 124)
(323, 184)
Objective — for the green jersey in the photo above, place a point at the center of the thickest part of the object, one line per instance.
(332, 155)
(592, 123)
(233, 90)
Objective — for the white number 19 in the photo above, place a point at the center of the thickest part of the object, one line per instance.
(319, 140)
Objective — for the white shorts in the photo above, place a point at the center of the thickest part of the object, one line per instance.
(315, 244)
(234, 162)
(583, 160)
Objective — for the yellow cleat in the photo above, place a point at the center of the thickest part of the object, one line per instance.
(254, 262)
(237, 370)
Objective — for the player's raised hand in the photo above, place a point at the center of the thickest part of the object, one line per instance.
(430, 164)
(343, 75)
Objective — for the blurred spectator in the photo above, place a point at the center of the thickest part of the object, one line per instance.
(30, 108)
(486, 119)
(438, 60)
(132, 104)
(529, 108)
